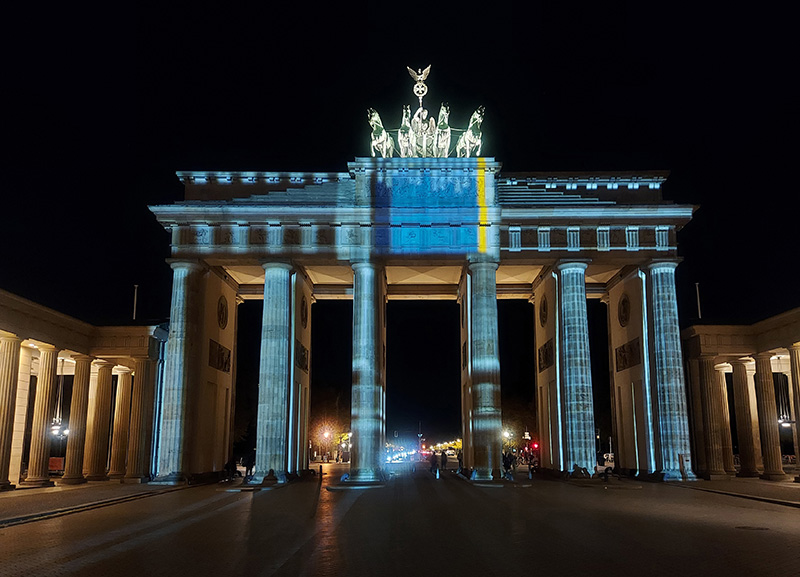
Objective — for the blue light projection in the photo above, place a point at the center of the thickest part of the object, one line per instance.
(429, 206)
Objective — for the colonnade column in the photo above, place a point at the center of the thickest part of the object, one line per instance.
(183, 348)
(576, 367)
(122, 424)
(274, 372)
(712, 417)
(794, 363)
(487, 425)
(38, 462)
(96, 453)
(725, 425)
(367, 392)
(137, 450)
(667, 372)
(76, 442)
(768, 419)
(744, 421)
(9, 369)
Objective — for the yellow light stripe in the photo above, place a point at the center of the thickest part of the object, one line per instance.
(483, 210)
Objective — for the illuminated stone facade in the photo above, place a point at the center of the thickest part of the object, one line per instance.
(432, 228)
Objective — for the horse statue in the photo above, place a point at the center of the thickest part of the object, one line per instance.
(442, 147)
(381, 141)
(469, 143)
(405, 136)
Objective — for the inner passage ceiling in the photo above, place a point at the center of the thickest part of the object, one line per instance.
(432, 281)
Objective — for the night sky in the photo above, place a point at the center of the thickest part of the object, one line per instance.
(106, 106)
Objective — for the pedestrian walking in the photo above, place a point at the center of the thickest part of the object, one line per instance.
(249, 465)
(444, 460)
(432, 459)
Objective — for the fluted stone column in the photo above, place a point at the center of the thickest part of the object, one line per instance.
(725, 432)
(794, 363)
(487, 425)
(712, 419)
(183, 350)
(76, 442)
(122, 424)
(9, 372)
(768, 419)
(576, 367)
(744, 421)
(96, 453)
(38, 462)
(367, 391)
(274, 373)
(137, 440)
(667, 372)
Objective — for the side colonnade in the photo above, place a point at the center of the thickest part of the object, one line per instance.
(760, 366)
(32, 375)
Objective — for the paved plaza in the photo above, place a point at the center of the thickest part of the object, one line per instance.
(416, 524)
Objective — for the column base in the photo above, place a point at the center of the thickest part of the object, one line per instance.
(32, 483)
(72, 480)
(171, 479)
(774, 476)
(481, 475)
(268, 478)
(134, 480)
(7, 486)
(717, 477)
(96, 478)
(748, 474)
(365, 476)
(797, 479)
(116, 475)
(676, 475)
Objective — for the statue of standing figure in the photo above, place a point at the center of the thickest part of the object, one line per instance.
(405, 136)
(442, 148)
(424, 130)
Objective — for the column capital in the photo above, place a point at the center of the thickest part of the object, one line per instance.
(663, 263)
(483, 265)
(103, 364)
(763, 355)
(123, 370)
(572, 264)
(83, 358)
(277, 264)
(47, 348)
(190, 265)
(9, 337)
(357, 264)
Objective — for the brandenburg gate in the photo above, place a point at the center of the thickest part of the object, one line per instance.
(426, 216)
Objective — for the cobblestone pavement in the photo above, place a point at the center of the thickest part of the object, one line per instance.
(415, 525)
